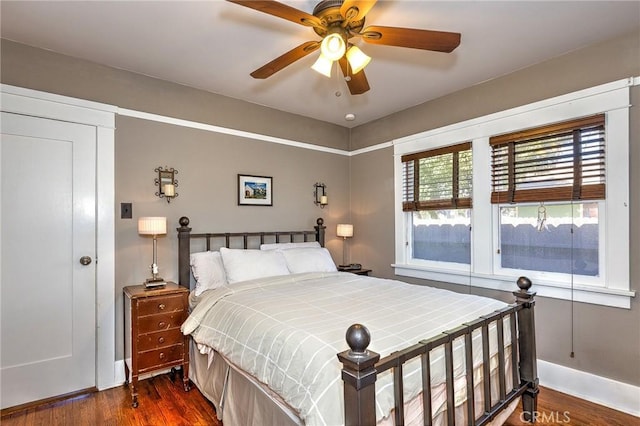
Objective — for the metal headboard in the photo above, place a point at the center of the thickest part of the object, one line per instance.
(242, 239)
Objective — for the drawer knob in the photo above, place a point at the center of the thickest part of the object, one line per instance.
(161, 324)
(161, 340)
(161, 355)
(161, 306)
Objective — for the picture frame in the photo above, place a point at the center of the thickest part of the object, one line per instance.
(255, 190)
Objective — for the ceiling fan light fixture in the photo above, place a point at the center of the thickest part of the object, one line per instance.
(333, 46)
(357, 59)
(323, 65)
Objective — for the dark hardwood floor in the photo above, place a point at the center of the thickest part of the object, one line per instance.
(163, 402)
(556, 408)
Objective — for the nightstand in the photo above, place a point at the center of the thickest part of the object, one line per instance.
(355, 271)
(153, 340)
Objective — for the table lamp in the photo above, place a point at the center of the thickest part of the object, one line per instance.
(153, 226)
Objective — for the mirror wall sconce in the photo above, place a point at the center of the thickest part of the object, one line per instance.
(320, 195)
(166, 182)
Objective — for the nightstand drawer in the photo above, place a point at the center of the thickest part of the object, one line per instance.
(160, 305)
(160, 339)
(152, 323)
(157, 357)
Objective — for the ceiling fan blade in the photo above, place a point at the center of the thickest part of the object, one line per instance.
(280, 10)
(357, 83)
(355, 10)
(287, 59)
(438, 41)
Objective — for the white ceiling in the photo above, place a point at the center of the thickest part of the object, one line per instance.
(214, 45)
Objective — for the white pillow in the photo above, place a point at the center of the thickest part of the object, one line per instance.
(287, 246)
(242, 265)
(309, 260)
(207, 270)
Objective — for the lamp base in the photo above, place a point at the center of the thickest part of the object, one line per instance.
(154, 282)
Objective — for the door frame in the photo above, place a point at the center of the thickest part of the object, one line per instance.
(102, 116)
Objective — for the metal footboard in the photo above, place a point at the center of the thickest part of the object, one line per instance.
(361, 367)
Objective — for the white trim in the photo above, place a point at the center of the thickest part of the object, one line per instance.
(227, 131)
(587, 294)
(47, 105)
(105, 257)
(119, 380)
(370, 148)
(600, 390)
(513, 112)
(119, 377)
(40, 104)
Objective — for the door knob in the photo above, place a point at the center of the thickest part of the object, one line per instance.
(85, 260)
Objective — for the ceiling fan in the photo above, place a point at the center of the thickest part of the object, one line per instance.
(337, 21)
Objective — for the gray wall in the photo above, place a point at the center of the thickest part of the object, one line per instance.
(208, 163)
(607, 340)
(360, 188)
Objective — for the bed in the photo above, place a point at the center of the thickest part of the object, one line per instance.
(279, 336)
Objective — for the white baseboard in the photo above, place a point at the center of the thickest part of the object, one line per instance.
(119, 378)
(600, 390)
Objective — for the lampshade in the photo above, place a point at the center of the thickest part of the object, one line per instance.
(345, 230)
(357, 59)
(323, 65)
(333, 47)
(152, 225)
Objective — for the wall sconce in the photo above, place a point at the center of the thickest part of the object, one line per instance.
(320, 195)
(167, 183)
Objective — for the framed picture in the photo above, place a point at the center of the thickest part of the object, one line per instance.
(255, 190)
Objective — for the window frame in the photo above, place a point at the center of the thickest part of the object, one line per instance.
(611, 99)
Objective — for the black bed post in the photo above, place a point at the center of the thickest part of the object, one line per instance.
(359, 377)
(320, 229)
(527, 353)
(184, 250)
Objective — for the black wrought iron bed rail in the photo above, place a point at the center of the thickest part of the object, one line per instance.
(362, 366)
(242, 239)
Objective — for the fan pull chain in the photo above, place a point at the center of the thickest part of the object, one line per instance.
(542, 218)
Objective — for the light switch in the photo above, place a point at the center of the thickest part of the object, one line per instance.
(126, 211)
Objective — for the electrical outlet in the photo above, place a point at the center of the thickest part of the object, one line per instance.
(126, 211)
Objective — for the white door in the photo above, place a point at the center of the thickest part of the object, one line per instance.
(48, 216)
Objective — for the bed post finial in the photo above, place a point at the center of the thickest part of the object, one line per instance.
(524, 284)
(359, 376)
(527, 338)
(320, 230)
(184, 250)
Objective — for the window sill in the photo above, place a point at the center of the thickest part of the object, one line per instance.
(555, 290)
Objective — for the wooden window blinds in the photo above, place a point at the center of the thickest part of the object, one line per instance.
(437, 179)
(559, 162)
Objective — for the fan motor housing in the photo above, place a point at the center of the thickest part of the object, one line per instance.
(328, 11)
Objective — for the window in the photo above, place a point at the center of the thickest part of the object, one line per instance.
(560, 162)
(550, 188)
(437, 191)
(558, 238)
